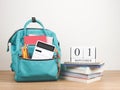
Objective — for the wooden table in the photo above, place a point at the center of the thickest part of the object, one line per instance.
(110, 81)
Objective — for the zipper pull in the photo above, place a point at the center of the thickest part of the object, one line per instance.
(7, 46)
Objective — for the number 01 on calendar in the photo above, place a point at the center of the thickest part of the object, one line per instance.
(83, 54)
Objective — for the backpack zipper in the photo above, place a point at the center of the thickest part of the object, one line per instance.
(55, 57)
(16, 32)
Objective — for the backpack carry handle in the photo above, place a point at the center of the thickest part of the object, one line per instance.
(33, 20)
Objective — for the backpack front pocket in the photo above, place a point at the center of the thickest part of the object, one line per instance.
(37, 70)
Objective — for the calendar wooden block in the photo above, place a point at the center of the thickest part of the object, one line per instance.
(76, 54)
(83, 54)
(90, 53)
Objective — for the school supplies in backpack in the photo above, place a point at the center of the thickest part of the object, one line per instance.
(43, 50)
(28, 69)
(33, 39)
(25, 54)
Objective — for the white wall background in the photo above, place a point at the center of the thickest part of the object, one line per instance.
(76, 23)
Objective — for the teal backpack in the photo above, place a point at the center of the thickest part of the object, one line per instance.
(30, 69)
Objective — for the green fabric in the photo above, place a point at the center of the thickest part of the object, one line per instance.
(28, 70)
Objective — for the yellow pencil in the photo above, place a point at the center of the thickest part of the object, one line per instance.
(25, 52)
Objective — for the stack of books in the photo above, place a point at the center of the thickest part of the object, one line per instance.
(83, 72)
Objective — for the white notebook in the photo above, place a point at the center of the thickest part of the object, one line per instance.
(82, 80)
